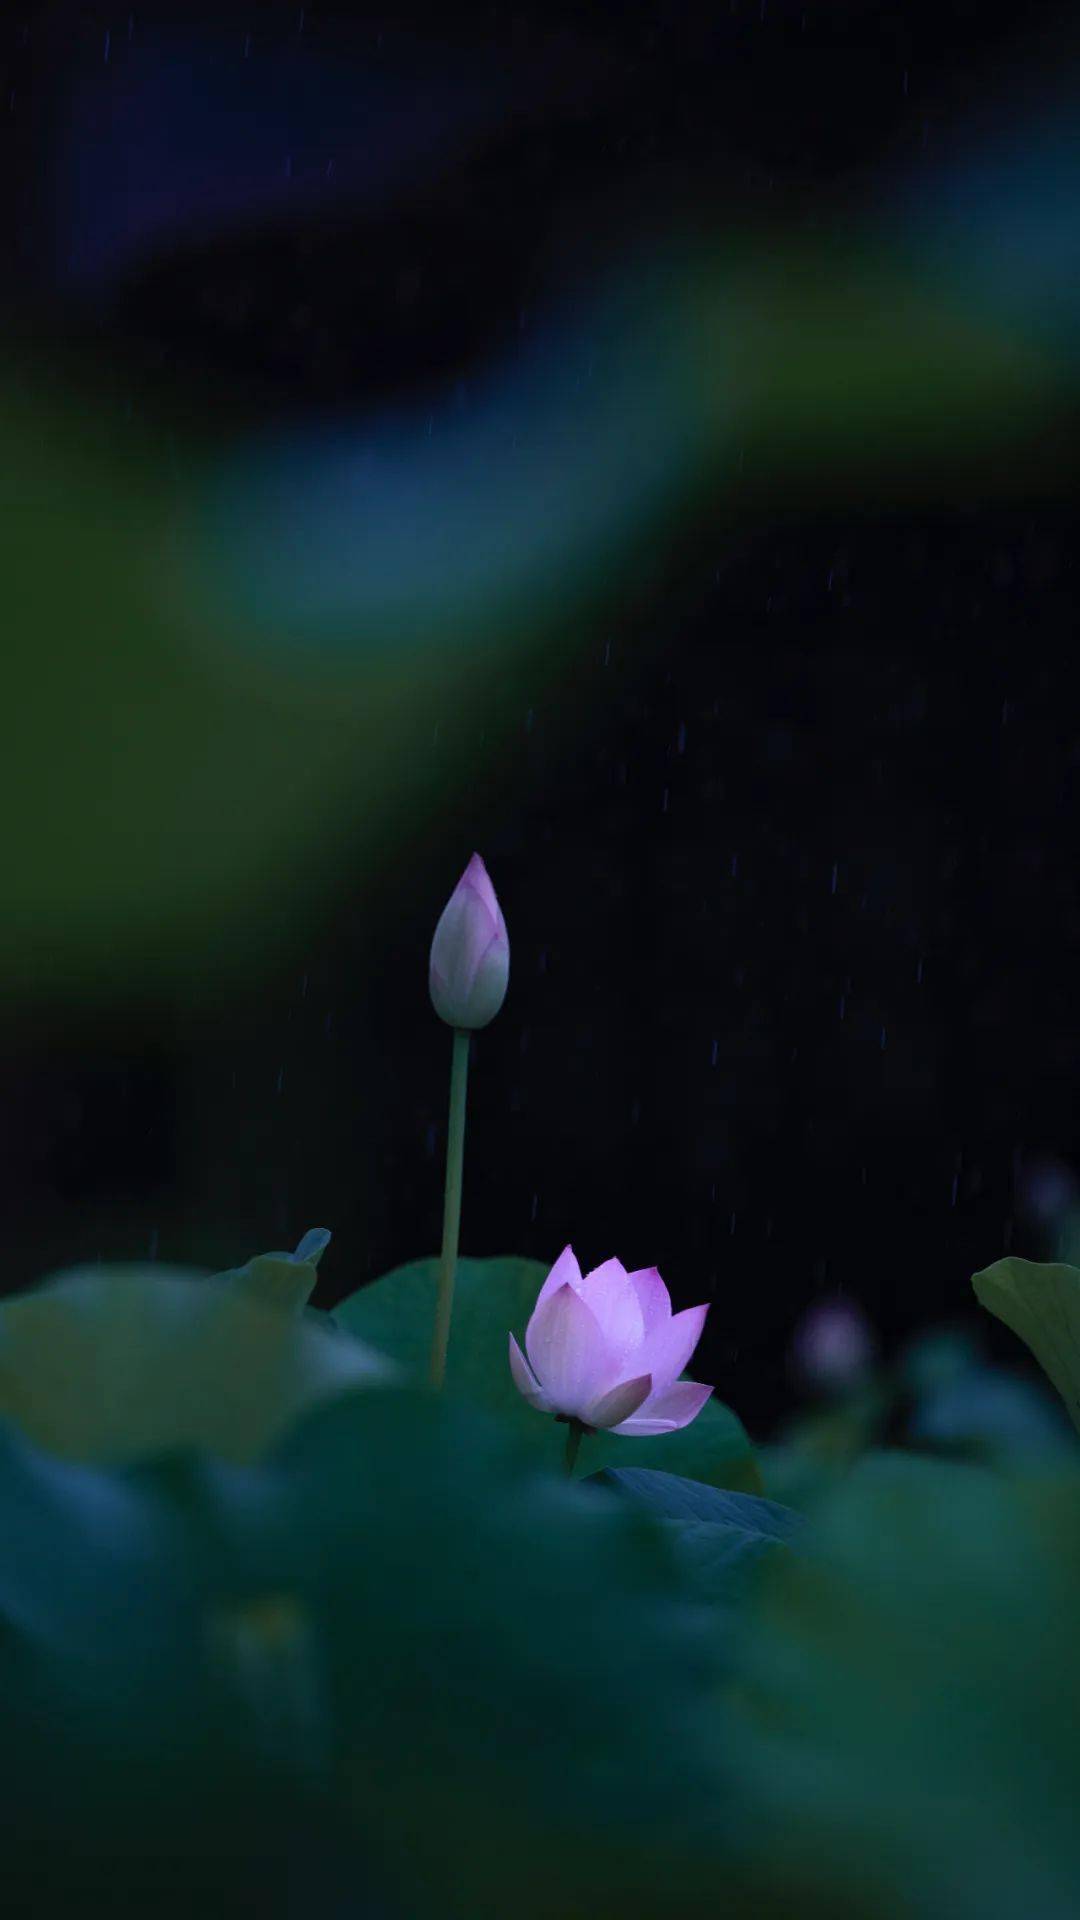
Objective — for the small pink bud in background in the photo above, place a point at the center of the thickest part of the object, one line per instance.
(1047, 1190)
(833, 1346)
(606, 1350)
(470, 955)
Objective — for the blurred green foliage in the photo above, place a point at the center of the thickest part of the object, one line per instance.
(167, 789)
(942, 1395)
(469, 1665)
(276, 1630)
(113, 1364)
(902, 1733)
(240, 666)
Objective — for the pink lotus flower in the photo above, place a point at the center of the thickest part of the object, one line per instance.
(470, 954)
(606, 1349)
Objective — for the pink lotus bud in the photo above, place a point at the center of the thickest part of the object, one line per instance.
(1047, 1190)
(470, 954)
(607, 1350)
(833, 1345)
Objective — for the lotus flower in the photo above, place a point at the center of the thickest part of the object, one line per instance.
(606, 1350)
(470, 954)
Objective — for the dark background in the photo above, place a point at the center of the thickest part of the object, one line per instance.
(787, 852)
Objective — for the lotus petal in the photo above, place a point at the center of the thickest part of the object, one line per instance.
(663, 1412)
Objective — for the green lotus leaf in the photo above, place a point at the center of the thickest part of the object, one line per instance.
(281, 1279)
(1041, 1303)
(115, 1363)
(902, 1720)
(386, 1664)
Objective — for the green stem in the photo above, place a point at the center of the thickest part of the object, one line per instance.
(455, 1156)
(574, 1431)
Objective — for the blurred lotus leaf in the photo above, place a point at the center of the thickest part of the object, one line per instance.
(902, 1729)
(988, 1414)
(163, 794)
(282, 1279)
(359, 1656)
(118, 1363)
(937, 1358)
(812, 1454)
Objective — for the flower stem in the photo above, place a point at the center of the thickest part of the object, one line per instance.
(455, 1155)
(574, 1431)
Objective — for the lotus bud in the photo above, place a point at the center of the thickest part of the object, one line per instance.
(605, 1350)
(833, 1346)
(470, 954)
(1047, 1191)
